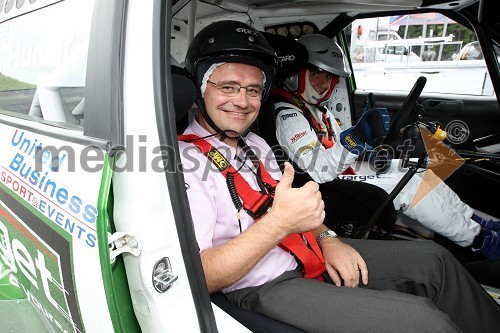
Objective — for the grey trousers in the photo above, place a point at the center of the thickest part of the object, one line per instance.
(414, 286)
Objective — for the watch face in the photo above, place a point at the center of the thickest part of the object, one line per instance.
(331, 233)
(326, 233)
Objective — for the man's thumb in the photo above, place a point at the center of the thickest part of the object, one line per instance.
(288, 173)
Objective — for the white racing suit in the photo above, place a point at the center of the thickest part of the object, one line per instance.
(440, 209)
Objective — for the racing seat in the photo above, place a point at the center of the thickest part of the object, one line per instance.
(184, 98)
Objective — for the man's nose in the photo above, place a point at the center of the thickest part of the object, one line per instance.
(323, 81)
(241, 99)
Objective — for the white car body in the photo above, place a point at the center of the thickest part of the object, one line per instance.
(110, 247)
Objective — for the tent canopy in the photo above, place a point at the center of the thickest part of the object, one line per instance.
(419, 19)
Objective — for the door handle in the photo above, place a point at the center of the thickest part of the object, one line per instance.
(438, 107)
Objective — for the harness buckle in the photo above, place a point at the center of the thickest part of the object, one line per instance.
(261, 207)
(270, 188)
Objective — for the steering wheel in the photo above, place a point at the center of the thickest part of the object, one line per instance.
(404, 116)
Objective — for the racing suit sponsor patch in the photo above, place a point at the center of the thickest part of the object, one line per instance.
(288, 115)
(297, 136)
(310, 146)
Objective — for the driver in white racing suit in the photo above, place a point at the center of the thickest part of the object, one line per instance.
(309, 133)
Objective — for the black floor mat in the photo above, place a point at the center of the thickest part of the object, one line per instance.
(485, 271)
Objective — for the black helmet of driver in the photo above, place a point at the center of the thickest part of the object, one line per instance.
(230, 41)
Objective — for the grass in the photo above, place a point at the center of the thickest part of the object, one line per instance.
(8, 83)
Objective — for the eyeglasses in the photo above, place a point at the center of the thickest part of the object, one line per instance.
(232, 89)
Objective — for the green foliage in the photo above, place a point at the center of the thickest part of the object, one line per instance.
(7, 83)
(459, 32)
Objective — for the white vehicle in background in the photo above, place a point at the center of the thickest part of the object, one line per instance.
(471, 51)
(389, 47)
(403, 60)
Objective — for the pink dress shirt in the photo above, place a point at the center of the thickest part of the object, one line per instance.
(214, 216)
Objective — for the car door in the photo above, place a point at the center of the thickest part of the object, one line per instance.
(94, 235)
(54, 206)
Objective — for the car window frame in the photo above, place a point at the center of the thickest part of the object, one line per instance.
(167, 132)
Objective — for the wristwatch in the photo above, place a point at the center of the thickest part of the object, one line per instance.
(326, 233)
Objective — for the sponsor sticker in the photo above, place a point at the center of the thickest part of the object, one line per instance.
(307, 148)
(218, 159)
(288, 115)
(297, 136)
(48, 222)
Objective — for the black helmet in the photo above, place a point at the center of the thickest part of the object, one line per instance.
(230, 41)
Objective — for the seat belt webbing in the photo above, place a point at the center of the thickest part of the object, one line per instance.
(310, 256)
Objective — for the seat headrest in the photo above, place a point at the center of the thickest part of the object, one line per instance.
(293, 56)
(184, 92)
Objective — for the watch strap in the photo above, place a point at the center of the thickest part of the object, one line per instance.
(326, 233)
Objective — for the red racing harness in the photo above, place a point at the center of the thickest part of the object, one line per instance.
(327, 138)
(258, 203)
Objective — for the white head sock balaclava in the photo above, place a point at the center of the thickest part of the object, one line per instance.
(310, 95)
(209, 72)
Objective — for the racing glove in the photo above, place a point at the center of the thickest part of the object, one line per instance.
(377, 121)
(355, 140)
(368, 132)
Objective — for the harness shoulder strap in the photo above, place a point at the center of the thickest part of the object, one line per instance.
(326, 138)
(257, 204)
(253, 201)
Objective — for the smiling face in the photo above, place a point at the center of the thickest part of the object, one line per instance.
(320, 80)
(318, 86)
(232, 113)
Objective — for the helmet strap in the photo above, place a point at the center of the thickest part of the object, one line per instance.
(328, 95)
(305, 85)
(223, 133)
(206, 117)
(302, 81)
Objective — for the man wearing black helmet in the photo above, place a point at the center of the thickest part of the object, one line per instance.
(252, 230)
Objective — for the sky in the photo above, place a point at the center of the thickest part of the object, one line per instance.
(43, 40)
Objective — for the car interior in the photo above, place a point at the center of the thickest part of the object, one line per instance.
(470, 117)
(479, 151)
(185, 95)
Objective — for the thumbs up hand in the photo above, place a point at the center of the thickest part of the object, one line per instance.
(296, 209)
(287, 178)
